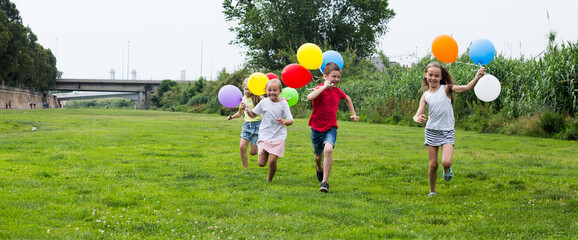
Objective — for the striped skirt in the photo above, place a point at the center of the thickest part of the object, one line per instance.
(439, 137)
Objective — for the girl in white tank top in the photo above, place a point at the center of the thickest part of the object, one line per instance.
(439, 129)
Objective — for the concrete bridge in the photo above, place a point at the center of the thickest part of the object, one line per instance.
(128, 87)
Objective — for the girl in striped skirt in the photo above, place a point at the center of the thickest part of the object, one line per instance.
(439, 129)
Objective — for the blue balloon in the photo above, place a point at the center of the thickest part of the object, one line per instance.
(482, 51)
(331, 56)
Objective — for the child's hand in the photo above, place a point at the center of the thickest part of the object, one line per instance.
(328, 84)
(355, 118)
(481, 72)
(280, 121)
(420, 119)
(229, 117)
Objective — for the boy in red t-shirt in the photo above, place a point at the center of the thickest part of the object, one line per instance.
(323, 121)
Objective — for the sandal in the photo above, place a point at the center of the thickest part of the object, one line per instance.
(448, 176)
(432, 194)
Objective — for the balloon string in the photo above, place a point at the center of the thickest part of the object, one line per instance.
(468, 63)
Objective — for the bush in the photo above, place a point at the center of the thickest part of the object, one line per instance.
(552, 123)
(571, 132)
(526, 126)
(198, 99)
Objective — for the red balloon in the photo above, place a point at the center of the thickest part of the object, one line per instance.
(295, 76)
(271, 76)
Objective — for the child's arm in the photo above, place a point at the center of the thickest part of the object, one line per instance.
(236, 115)
(250, 113)
(247, 110)
(419, 117)
(286, 122)
(349, 103)
(313, 95)
(470, 85)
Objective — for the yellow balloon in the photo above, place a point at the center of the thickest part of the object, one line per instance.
(257, 83)
(310, 56)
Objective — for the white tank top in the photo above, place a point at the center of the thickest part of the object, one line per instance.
(441, 111)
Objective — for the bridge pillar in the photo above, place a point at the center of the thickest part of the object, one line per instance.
(148, 97)
(138, 104)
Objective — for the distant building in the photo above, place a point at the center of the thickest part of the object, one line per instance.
(376, 60)
(379, 64)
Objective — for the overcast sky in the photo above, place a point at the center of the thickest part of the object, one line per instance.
(159, 39)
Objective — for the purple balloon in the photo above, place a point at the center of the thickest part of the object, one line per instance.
(230, 96)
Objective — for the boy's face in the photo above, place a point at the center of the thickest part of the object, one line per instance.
(334, 77)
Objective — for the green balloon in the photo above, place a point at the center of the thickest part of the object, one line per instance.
(291, 95)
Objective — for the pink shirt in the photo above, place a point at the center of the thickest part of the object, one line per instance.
(324, 115)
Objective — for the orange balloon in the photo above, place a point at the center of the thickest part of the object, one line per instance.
(445, 48)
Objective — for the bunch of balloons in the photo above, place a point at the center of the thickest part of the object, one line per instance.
(310, 57)
(482, 52)
(295, 75)
(445, 49)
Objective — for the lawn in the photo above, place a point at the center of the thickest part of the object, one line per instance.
(116, 174)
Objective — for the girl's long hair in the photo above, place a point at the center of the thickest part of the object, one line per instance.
(447, 79)
(256, 99)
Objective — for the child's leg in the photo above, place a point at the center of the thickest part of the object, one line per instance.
(328, 163)
(319, 162)
(254, 149)
(262, 159)
(432, 152)
(272, 167)
(243, 151)
(447, 155)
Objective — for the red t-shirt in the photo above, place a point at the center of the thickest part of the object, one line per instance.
(324, 115)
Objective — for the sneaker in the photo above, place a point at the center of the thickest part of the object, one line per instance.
(448, 176)
(319, 175)
(432, 194)
(324, 187)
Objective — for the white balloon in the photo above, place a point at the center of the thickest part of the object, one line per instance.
(488, 88)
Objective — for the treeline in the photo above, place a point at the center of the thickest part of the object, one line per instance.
(23, 62)
(538, 96)
(116, 103)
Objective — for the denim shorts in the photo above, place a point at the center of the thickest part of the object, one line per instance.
(319, 139)
(250, 131)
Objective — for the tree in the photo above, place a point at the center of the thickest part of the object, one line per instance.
(23, 62)
(273, 30)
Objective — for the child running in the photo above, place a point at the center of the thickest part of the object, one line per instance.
(273, 131)
(323, 120)
(250, 129)
(439, 129)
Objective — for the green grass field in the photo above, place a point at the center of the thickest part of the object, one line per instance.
(116, 174)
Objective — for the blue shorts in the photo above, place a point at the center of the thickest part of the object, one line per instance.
(319, 139)
(250, 131)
